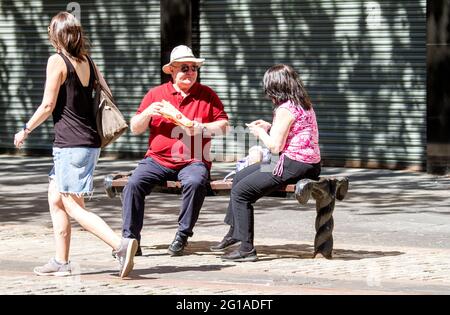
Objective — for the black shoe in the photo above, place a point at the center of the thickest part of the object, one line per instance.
(240, 256)
(178, 245)
(224, 244)
(138, 252)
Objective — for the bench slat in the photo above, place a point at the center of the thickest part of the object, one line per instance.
(216, 185)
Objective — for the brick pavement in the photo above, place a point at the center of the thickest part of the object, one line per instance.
(391, 237)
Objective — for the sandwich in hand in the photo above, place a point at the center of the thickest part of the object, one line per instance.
(174, 115)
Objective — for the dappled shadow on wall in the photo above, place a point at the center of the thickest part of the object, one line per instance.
(125, 44)
(362, 63)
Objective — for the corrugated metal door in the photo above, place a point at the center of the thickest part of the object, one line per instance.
(125, 40)
(363, 63)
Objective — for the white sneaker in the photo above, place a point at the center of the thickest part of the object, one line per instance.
(125, 256)
(54, 268)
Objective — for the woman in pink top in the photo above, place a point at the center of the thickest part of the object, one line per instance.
(294, 137)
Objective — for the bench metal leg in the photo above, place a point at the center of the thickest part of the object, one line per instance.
(109, 189)
(325, 191)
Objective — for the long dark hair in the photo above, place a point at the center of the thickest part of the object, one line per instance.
(282, 84)
(67, 35)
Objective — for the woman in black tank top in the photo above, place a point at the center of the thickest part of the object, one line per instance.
(76, 147)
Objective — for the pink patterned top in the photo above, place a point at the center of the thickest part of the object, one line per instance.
(302, 143)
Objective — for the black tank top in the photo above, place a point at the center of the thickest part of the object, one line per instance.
(73, 115)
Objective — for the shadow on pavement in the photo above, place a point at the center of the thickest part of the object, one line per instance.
(272, 252)
(137, 274)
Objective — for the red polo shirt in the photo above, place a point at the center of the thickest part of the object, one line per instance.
(167, 144)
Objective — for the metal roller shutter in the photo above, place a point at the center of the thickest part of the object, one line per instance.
(363, 63)
(125, 40)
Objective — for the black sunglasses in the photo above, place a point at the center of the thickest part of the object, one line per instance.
(185, 68)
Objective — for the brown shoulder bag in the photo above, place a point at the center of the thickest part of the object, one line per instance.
(110, 122)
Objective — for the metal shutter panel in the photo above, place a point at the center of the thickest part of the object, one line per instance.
(363, 64)
(125, 40)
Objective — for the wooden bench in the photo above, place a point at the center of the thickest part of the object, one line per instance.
(324, 191)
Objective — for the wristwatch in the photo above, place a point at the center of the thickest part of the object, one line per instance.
(26, 129)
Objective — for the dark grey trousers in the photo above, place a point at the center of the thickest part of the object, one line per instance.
(148, 173)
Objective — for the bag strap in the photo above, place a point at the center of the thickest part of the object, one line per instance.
(92, 67)
(97, 77)
(91, 63)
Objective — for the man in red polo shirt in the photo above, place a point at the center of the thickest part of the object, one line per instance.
(174, 152)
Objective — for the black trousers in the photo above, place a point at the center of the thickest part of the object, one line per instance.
(254, 182)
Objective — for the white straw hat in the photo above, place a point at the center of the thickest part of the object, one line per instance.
(182, 53)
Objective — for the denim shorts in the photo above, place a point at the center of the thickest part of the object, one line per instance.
(73, 169)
